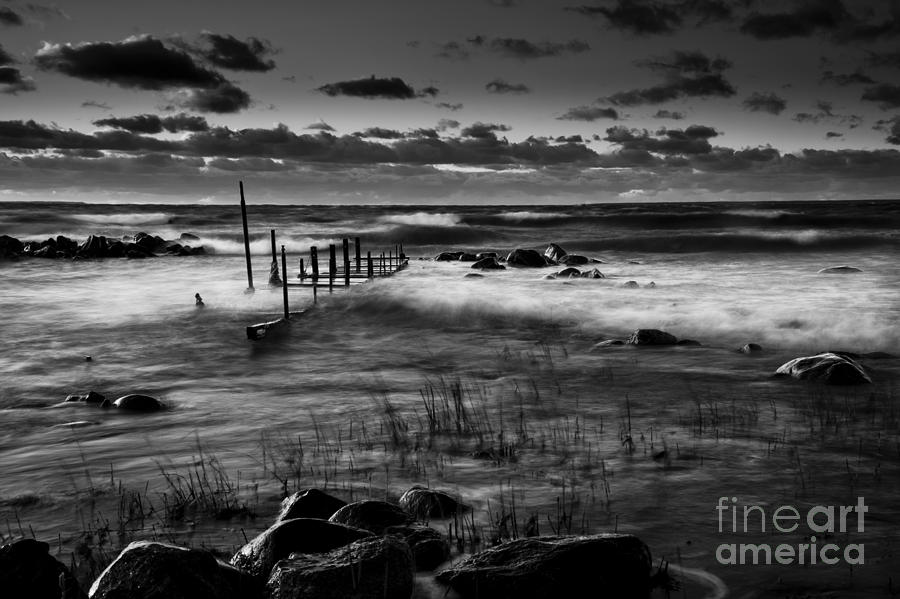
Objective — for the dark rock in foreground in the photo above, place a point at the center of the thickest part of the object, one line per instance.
(141, 245)
(428, 547)
(590, 566)
(830, 368)
(146, 570)
(554, 253)
(376, 568)
(371, 515)
(27, 571)
(839, 270)
(526, 258)
(138, 403)
(300, 535)
(423, 503)
(651, 337)
(310, 503)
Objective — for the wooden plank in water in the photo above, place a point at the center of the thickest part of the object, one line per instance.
(258, 331)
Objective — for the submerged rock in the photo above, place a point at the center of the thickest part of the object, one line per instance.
(298, 535)
(526, 258)
(89, 397)
(371, 515)
(838, 270)
(593, 274)
(448, 257)
(473, 275)
(147, 570)
(554, 253)
(423, 503)
(609, 565)
(10, 247)
(828, 367)
(651, 337)
(574, 260)
(488, 263)
(374, 568)
(568, 273)
(138, 403)
(310, 503)
(28, 570)
(467, 257)
(630, 284)
(750, 348)
(483, 255)
(608, 343)
(688, 343)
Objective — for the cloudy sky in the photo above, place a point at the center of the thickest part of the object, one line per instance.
(433, 101)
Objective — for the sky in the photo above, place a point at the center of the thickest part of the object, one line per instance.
(449, 102)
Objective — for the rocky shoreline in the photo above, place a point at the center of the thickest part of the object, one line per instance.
(139, 245)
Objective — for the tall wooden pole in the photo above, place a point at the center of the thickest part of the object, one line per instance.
(346, 248)
(246, 238)
(287, 313)
(358, 250)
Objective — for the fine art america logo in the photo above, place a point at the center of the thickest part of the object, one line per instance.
(824, 520)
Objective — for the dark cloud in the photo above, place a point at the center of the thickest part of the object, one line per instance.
(95, 104)
(379, 133)
(228, 52)
(453, 51)
(845, 79)
(226, 98)
(693, 140)
(12, 81)
(764, 102)
(10, 17)
(638, 17)
(430, 91)
(445, 124)
(525, 50)
(138, 62)
(589, 113)
(810, 17)
(35, 136)
(886, 95)
(452, 107)
(686, 74)
(833, 135)
(392, 88)
(321, 126)
(668, 114)
(569, 139)
(484, 130)
(5, 58)
(499, 86)
(151, 123)
(825, 113)
(423, 132)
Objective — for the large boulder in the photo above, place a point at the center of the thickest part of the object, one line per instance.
(138, 403)
(651, 337)
(448, 257)
(839, 270)
(375, 568)
(310, 503)
(429, 548)
(750, 348)
(150, 243)
(568, 273)
(10, 247)
(610, 565)
(423, 503)
(526, 258)
(483, 255)
(27, 571)
(593, 274)
(93, 247)
(300, 535)
(574, 260)
(828, 367)
(554, 253)
(148, 570)
(488, 263)
(371, 515)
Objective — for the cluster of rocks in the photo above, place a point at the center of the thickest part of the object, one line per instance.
(554, 255)
(322, 547)
(133, 402)
(646, 337)
(141, 245)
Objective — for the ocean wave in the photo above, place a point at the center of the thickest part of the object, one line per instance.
(127, 219)
(765, 241)
(427, 219)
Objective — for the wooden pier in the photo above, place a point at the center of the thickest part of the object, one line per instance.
(349, 272)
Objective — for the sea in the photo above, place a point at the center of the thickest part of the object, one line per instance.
(664, 432)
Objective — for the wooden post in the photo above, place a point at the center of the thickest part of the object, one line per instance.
(246, 238)
(346, 243)
(358, 250)
(287, 313)
(332, 267)
(382, 263)
(390, 262)
(314, 261)
(401, 249)
(302, 272)
(274, 279)
(371, 268)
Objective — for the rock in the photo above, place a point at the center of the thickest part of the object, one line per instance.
(148, 570)
(89, 397)
(554, 253)
(688, 343)
(298, 535)
(630, 285)
(48, 251)
(188, 237)
(651, 337)
(138, 403)
(28, 571)
(175, 248)
(650, 285)
(609, 565)
(526, 258)
(429, 548)
(93, 247)
(10, 247)
(568, 273)
(376, 568)
(473, 275)
(608, 343)
(750, 348)
(448, 256)
(549, 277)
(878, 355)
(593, 274)
(310, 503)
(483, 255)
(467, 257)
(839, 270)
(574, 260)
(116, 249)
(488, 264)
(150, 243)
(828, 367)
(371, 515)
(424, 503)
